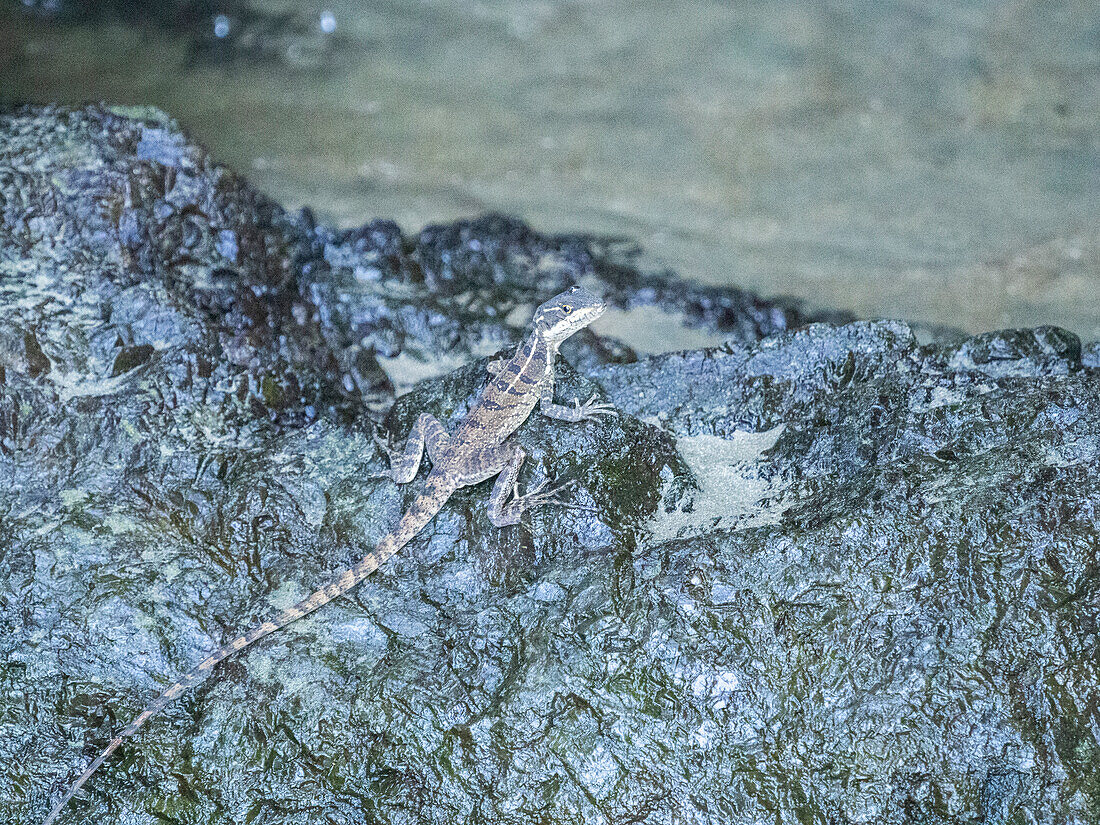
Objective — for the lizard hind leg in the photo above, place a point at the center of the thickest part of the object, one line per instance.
(503, 512)
(427, 433)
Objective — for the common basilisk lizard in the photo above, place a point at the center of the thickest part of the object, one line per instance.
(480, 447)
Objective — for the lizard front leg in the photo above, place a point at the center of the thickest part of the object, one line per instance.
(502, 514)
(428, 433)
(578, 412)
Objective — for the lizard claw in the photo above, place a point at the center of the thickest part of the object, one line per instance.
(592, 408)
(540, 495)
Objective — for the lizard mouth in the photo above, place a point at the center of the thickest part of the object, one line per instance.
(588, 314)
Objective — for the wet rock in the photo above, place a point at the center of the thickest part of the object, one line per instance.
(825, 572)
(1090, 355)
(1042, 350)
(913, 576)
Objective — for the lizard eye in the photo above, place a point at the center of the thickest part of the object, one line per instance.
(566, 308)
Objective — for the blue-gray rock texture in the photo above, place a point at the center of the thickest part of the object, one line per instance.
(828, 572)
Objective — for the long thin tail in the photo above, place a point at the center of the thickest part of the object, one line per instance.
(422, 511)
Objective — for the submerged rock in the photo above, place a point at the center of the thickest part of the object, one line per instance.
(820, 573)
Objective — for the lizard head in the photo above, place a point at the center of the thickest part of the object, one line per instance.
(564, 314)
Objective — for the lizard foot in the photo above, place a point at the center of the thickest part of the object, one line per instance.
(540, 495)
(592, 408)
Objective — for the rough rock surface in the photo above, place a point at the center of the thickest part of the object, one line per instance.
(821, 574)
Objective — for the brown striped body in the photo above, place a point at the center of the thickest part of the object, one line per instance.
(508, 399)
(479, 450)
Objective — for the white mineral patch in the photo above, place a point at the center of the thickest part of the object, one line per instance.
(731, 486)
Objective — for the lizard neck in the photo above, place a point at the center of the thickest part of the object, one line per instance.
(543, 354)
(533, 357)
(539, 341)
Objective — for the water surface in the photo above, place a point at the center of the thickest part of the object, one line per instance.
(936, 161)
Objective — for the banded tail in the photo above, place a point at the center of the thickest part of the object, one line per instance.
(423, 509)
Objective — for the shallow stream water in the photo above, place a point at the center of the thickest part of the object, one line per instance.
(933, 161)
